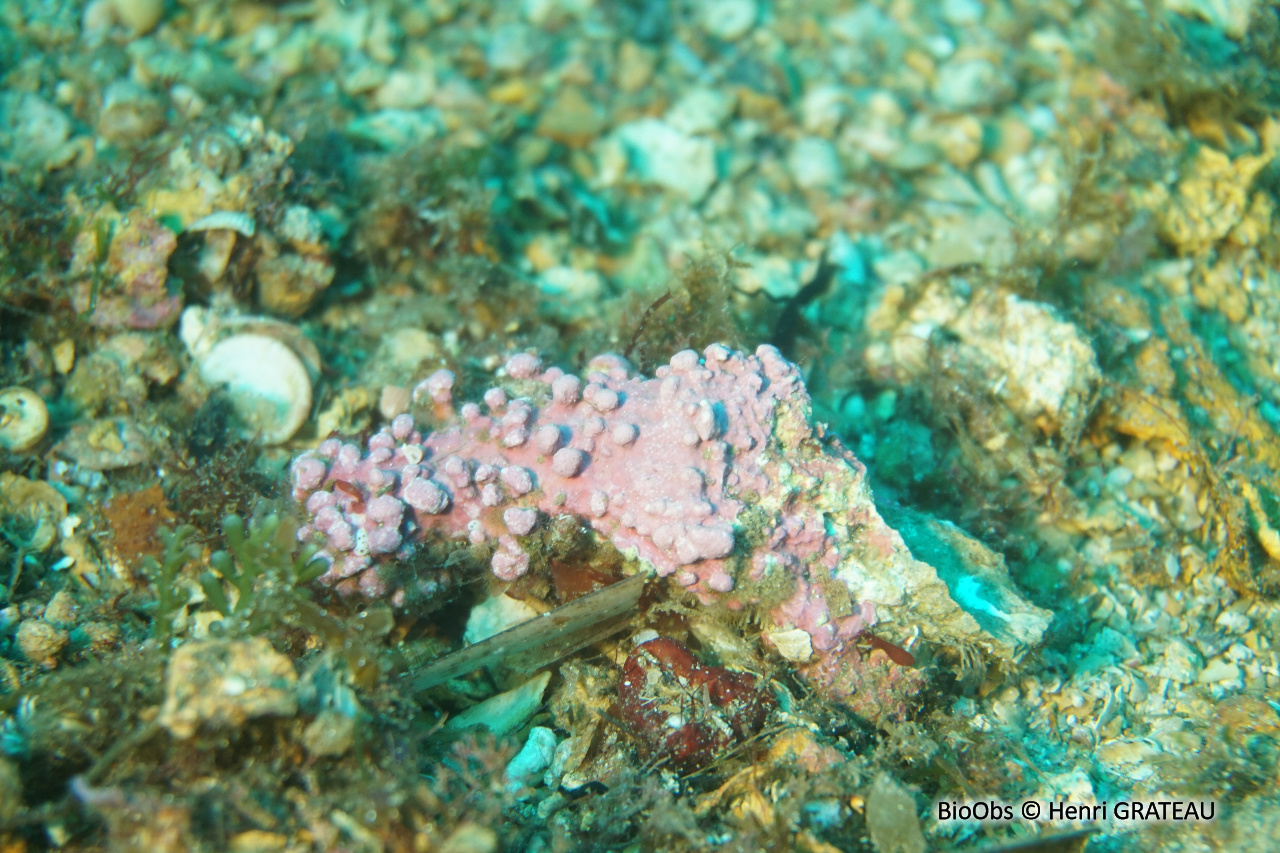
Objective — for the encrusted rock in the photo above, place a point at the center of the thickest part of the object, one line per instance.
(129, 287)
(712, 473)
(33, 506)
(40, 642)
(992, 343)
(223, 683)
(105, 445)
(61, 610)
(330, 734)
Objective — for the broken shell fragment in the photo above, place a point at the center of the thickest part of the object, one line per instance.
(265, 381)
(220, 229)
(202, 328)
(216, 255)
(24, 419)
(225, 220)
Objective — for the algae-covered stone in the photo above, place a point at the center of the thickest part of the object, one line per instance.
(107, 444)
(33, 132)
(728, 20)
(290, 283)
(471, 838)
(1230, 16)
(223, 683)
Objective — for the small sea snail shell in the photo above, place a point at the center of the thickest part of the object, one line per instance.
(24, 419)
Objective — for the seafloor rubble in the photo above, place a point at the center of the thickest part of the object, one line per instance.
(1005, 524)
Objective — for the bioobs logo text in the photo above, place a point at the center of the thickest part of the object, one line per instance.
(1061, 811)
(983, 811)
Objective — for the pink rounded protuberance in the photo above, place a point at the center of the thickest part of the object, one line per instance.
(523, 366)
(684, 360)
(568, 462)
(518, 415)
(455, 470)
(495, 398)
(566, 390)
(372, 585)
(327, 517)
(612, 364)
(719, 581)
(438, 386)
(601, 399)
(520, 521)
(402, 426)
(350, 564)
(509, 561)
(384, 540)
(425, 496)
(320, 500)
(547, 439)
(341, 537)
(385, 509)
(308, 473)
(517, 480)
(625, 435)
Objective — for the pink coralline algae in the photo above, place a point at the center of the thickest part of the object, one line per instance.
(711, 473)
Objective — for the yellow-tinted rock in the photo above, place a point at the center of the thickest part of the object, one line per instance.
(223, 683)
(1210, 200)
(571, 119)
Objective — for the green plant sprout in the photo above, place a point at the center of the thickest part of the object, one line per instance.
(103, 233)
(269, 575)
(171, 596)
(260, 564)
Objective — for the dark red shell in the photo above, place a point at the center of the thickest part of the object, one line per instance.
(683, 711)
